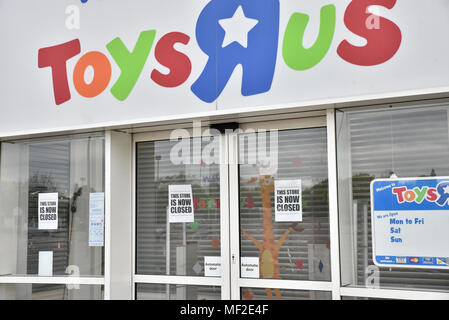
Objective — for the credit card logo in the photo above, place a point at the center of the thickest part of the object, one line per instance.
(401, 260)
(427, 260)
(442, 261)
(414, 260)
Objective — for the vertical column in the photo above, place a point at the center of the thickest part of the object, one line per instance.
(333, 204)
(347, 207)
(10, 200)
(234, 210)
(224, 222)
(118, 216)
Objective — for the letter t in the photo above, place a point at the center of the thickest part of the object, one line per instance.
(56, 57)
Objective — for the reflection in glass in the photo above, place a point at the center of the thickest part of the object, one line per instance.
(73, 168)
(377, 143)
(175, 248)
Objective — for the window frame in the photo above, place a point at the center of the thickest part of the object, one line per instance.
(69, 279)
(348, 290)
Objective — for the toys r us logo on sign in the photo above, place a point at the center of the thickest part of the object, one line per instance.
(104, 67)
(230, 33)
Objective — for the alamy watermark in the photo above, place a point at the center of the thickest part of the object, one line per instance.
(373, 21)
(372, 277)
(256, 147)
(73, 21)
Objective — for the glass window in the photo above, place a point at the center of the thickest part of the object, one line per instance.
(50, 292)
(177, 248)
(146, 291)
(51, 237)
(286, 294)
(377, 143)
(299, 248)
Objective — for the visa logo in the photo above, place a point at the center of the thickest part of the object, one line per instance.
(401, 260)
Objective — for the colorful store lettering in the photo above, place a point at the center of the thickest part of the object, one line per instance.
(439, 195)
(223, 57)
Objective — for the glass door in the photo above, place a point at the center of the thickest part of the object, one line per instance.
(280, 226)
(259, 201)
(181, 241)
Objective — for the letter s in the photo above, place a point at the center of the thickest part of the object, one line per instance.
(179, 64)
(431, 195)
(383, 42)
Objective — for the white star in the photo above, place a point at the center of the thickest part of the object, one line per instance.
(446, 190)
(237, 28)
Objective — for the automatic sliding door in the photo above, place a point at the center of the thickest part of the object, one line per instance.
(178, 219)
(283, 214)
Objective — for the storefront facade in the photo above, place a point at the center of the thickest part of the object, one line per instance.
(112, 112)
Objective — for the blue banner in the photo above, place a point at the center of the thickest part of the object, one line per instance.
(425, 194)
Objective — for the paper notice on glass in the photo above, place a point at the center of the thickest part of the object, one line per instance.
(288, 200)
(212, 266)
(48, 211)
(249, 267)
(45, 268)
(96, 219)
(180, 203)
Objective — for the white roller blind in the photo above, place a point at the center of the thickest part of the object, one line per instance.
(302, 154)
(411, 142)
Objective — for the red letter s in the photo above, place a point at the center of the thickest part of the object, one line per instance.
(383, 41)
(178, 63)
(56, 58)
(432, 195)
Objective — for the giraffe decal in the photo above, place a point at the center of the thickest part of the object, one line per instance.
(269, 248)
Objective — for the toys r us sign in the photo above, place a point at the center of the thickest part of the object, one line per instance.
(164, 60)
(230, 33)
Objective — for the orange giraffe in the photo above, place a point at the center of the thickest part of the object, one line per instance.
(269, 249)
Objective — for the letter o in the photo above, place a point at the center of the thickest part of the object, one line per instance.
(102, 74)
(409, 195)
(202, 204)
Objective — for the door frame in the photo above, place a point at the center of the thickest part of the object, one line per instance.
(230, 281)
(327, 120)
(224, 281)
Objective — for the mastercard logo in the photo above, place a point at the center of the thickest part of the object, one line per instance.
(414, 260)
